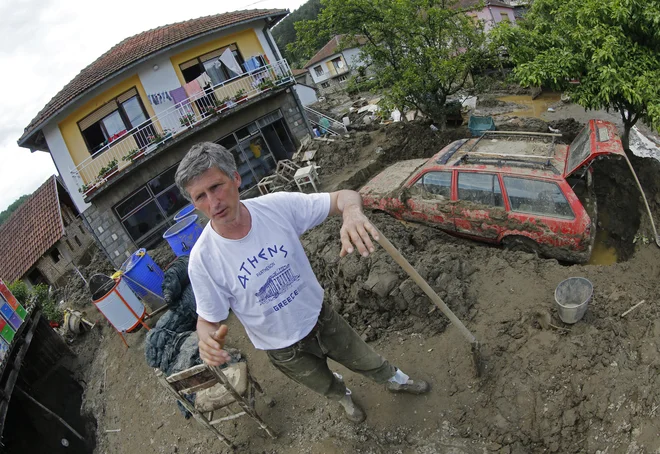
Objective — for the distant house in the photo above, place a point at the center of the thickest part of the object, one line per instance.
(332, 66)
(491, 13)
(43, 238)
(304, 87)
(118, 130)
(302, 76)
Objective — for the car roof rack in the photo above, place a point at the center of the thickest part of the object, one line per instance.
(502, 159)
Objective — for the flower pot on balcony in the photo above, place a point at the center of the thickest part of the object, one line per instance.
(137, 156)
(240, 99)
(110, 173)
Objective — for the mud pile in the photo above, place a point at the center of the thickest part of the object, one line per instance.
(375, 295)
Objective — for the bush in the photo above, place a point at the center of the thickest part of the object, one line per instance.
(20, 291)
(38, 293)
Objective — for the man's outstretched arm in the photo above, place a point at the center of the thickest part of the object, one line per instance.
(211, 342)
(357, 230)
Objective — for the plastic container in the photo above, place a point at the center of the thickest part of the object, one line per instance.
(11, 299)
(184, 212)
(182, 236)
(6, 331)
(117, 302)
(572, 297)
(479, 125)
(144, 276)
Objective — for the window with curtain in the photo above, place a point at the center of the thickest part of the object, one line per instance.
(212, 63)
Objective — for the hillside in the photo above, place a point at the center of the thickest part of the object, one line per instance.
(285, 32)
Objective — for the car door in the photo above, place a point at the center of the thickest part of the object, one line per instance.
(429, 200)
(479, 211)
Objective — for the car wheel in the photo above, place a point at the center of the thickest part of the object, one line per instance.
(520, 244)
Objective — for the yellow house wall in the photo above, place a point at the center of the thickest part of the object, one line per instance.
(69, 126)
(247, 42)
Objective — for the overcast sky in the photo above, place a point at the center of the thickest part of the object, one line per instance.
(45, 43)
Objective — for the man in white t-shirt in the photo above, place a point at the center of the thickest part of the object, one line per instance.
(249, 259)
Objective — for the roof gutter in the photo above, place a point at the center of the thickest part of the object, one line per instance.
(21, 142)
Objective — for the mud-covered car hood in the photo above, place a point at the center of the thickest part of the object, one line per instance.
(391, 178)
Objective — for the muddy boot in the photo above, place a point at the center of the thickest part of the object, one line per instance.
(353, 411)
(410, 387)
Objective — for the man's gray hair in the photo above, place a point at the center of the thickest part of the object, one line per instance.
(199, 159)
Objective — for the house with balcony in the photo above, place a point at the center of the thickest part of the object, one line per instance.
(333, 65)
(491, 12)
(118, 130)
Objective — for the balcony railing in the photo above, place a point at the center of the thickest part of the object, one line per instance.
(105, 163)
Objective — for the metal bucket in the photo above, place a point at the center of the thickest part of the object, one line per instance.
(572, 297)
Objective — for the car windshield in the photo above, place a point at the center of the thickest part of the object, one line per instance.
(579, 149)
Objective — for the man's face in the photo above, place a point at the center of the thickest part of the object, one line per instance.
(216, 195)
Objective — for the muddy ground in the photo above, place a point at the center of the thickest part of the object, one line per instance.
(590, 387)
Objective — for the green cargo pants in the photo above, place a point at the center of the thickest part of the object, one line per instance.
(306, 361)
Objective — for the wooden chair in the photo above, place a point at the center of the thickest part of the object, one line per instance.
(217, 390)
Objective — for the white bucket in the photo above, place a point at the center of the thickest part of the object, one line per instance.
(572, 297)
(121, 307)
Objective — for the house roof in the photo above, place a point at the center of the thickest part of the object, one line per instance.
(298, 72)
(331, 48)
(470, 3)
(137, 48)
(30, 231)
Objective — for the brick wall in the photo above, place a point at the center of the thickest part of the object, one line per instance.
(101, 217)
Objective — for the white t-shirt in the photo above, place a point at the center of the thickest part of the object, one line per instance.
(265, 277)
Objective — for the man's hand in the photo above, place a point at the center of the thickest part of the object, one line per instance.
(211, 344)
(356, 231)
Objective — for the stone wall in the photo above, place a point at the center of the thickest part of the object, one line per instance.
(101, 217)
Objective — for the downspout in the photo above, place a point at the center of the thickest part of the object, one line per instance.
(269, 40)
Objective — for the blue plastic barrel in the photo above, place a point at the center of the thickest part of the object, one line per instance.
(183, 235)
(143, 273)
(183, 212)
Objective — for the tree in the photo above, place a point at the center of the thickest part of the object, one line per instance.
(4, 215)
(423, 51)
(610, 47)
(285, 32)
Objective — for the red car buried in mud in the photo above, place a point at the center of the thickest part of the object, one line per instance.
(521, 190)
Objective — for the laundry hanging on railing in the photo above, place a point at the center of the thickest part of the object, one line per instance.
(179, 95)
(228, 59)
(160, 98)
(203, 80)
(192, 88)
(252, 64)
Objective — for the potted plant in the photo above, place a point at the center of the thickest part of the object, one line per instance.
(266, 85)
(133, 155)
(109, 170)
(187, 119)
(89, 188)
(240, 96)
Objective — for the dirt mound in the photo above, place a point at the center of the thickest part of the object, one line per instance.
(569, 128)
(76, 293)
(376, 295)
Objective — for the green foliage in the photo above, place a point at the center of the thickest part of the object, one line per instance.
(285, 32)
(40, 295)
(20, 291)
(611, 46)
(423, 51)
(13, 207)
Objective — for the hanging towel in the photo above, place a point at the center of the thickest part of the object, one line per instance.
(228, 59)
(203, 80)
(179, 95)
(192, 88)
(251, 64)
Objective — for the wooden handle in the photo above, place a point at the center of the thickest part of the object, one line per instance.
(419, 280)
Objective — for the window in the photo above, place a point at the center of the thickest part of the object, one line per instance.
(436, 183)
(325, 85)
(218, 70)
(55, 255)
(145, 212)
(504, 17)
(338, 64)
(81, 229)
(113, 120)
(77, 240)
(579, 149)
(342, 78)
(318, 70)
(481, 188)
(537, 197)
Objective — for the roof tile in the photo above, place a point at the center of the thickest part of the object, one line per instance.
(30, 231)
(136, 48)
